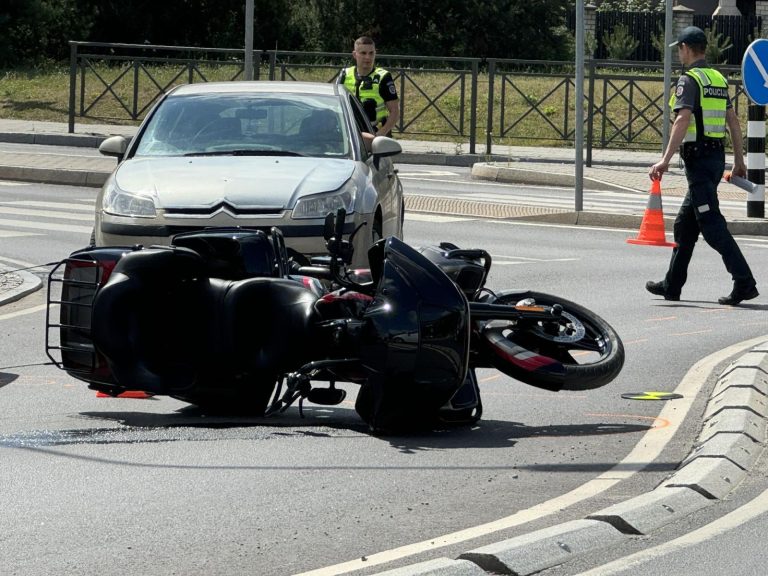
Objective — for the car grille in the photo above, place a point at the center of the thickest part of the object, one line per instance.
(224, 207)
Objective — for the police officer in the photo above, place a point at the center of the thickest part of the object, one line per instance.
(703, 110)
(373, 86)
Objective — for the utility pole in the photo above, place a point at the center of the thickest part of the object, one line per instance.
(667, 74)
(579, 128)
(248, 60)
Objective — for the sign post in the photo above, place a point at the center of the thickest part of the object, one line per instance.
(754, 74)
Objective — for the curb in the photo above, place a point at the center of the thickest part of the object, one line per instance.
(732, 438)
(29, 283)
(518, 175)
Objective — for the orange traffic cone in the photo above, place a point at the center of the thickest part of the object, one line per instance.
(652, 226)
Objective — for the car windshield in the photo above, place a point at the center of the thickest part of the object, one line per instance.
(243, 124)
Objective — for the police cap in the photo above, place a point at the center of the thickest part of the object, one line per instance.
(691, 35)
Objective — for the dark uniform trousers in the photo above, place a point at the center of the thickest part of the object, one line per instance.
(700, 212)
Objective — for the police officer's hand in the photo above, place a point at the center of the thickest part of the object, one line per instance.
(657, 170)
(739, 169)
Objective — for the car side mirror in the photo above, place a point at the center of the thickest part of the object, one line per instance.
(383, 146)
(114, 146)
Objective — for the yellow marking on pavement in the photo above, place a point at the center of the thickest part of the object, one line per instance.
(661, 319)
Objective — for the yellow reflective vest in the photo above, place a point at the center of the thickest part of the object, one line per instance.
(713, 100)
(367, 91)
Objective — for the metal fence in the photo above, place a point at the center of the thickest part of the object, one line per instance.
(123, 81)
(647, 28)
(510, 102)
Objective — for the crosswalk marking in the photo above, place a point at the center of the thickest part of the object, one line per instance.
(420, 217)
(28, 218)
(81, 206)
(46, 226)
(12, 183)
(48, 214)
(17, 234)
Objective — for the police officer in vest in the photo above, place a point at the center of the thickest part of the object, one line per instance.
(373, 86)
(703, 110)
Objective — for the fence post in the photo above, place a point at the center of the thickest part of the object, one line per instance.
(489, 121)
(591, 111)
(473, 109)
(72, 84)
(135, 112)
(756, 160)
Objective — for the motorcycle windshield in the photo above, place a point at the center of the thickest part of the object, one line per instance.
(416, 334)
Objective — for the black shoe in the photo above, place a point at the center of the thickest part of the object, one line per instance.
(737, 296)
(657, 289)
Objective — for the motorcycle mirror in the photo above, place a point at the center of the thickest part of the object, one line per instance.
(329, 226)
(341, 217)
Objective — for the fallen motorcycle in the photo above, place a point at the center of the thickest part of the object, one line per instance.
(223, 320)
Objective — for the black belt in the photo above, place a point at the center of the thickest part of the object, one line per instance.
(690, 149)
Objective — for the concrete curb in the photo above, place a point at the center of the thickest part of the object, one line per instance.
(89, 178)
(521, 175)
(731, 440)
(30, 283)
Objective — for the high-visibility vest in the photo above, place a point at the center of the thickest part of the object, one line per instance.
(713, 101)
(364, 92)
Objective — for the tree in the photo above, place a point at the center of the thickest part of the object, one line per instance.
(38, 30)
(632, 6)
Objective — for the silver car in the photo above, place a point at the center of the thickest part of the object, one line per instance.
(255, 155)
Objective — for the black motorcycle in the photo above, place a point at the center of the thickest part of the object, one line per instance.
(223, 320)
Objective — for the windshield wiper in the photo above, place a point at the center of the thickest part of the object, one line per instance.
(246, 152)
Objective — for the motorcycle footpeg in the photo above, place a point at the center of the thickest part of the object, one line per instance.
(326, 396)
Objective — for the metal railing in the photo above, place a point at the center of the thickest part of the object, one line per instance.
(512, 101)
(434, 101)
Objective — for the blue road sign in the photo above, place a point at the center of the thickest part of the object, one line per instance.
(754, 71)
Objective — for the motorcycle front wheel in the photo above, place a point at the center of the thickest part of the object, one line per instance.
(575, 349)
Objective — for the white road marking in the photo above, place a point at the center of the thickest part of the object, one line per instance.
(644, 453)
(532, 261)
(47, 214)
(12, 183)
(422, 217)
(427, 173)
(23, 312)
(83, 205)
(46, 226)
(13, 234)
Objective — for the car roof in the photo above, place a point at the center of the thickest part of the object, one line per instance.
(256, 87)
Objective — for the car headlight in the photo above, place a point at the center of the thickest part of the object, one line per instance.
(318, 205)
(121, 203)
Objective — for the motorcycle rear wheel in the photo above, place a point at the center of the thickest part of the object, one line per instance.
(577, 350)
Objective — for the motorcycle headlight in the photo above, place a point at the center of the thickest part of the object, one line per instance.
(121, 203)
(318, 205)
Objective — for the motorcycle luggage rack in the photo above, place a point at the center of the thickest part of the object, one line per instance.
(72, 285)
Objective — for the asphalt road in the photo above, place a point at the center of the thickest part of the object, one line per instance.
(110, 486)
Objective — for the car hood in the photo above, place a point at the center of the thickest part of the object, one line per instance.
(243, 181)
